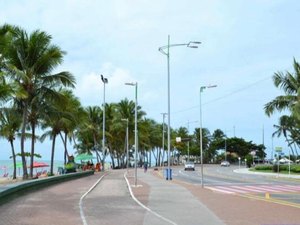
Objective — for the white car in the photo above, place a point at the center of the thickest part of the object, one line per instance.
(225, 163)
(189, 166)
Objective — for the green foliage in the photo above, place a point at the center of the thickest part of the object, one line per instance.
(288, 125)
(294, 168)
(263, 167)
(249, 159)
(70, 167)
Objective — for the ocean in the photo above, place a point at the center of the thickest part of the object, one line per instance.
(6, 166)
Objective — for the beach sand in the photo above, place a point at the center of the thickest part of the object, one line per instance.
(8, 180)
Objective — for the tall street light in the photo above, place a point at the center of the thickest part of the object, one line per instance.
(127, 155)
(201, 145)
(135, 131)
(163, 137)
(191, 44)
(105, 81)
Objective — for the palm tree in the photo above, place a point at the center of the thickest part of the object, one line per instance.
(30, 61)
(73, 107)
(91, 125)
(10, 123)
(56, 119)
(290, 84)
(285, 125)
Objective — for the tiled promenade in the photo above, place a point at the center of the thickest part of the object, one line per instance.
(164, 202)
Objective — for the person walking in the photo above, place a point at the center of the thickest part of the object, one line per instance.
(145, 166)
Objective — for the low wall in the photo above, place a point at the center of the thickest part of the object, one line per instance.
(13, 190)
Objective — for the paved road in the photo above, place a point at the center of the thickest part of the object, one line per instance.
(225, 180)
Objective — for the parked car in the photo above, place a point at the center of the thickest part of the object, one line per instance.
(225, 163)
(189, 166)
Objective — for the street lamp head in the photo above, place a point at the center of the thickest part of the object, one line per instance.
(130, 84)
(212, 86)
(193, 44)
(104, 80)
(208, 86)
(202, 88)
(196, 42)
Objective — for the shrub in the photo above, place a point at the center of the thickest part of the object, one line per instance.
(283, 167)
(295, 168)
(275, 168)
(264, 167)
(249, 159)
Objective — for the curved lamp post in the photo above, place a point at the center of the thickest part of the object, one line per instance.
(105, 81)
(201, 145)
(135, 131)
(166, 51)
(163, 139)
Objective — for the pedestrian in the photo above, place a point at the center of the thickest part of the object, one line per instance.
(145, 166)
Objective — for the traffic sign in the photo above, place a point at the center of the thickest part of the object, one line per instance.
(278, 149)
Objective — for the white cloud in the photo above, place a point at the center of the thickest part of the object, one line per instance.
(90, 87)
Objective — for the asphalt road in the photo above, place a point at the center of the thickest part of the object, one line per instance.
(225, 180)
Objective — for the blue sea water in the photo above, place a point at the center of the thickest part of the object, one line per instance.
(6, 166)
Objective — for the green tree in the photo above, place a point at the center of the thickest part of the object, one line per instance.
(10, 123)
(290, 101)
(73, 107)
(30, 60)
(285, 127)
(290, 84)
(57, 118)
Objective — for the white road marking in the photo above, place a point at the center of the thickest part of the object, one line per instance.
(145, 207)
(232, 189)
(83, 196)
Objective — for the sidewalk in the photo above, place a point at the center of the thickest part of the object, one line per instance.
(174, 203)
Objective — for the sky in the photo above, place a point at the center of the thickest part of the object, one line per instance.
(243, 43)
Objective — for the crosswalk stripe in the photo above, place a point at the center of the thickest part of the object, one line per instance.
(243, 189)
(220, 190)
(253, 188)
(284, 189)
(228, 188)
(294, 187)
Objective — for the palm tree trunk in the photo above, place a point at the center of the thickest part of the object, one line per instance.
(155, 156)
(296, 151)
(163, 157)
(158, 157)
(25, 113)
(96, 149)
(98, 156)
(64, 140)
(32, 149)
(289, 145)
(112, 161)
(14, 159)
(52, 154)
